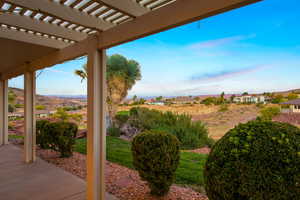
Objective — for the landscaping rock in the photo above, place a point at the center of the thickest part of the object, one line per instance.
(120, 181)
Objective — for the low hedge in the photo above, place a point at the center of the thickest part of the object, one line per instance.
(258, 160)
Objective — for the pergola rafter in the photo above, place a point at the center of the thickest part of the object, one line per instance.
(35, 34)
(44, 39)
(64, 13)
(39, 26)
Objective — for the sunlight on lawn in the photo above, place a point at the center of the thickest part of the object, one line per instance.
(189, 172)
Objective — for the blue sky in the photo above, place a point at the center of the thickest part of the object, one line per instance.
(253, 49)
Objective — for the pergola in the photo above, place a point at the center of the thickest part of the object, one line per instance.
(35, 34)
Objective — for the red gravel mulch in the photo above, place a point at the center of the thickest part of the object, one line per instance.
(122, 182)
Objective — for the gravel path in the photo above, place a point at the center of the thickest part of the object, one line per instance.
(122, 182)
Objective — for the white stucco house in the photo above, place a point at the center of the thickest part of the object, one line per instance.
(294, 106)
(250, 99)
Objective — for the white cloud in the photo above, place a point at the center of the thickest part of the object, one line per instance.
(220, 42)
(58, 71)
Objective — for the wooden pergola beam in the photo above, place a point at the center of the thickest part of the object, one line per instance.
(64, 12)
(71, 52)
(31, 38)
(175, 14)
(32, 24)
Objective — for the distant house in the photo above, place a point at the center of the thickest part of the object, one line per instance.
(43, 113)
(249, 99)
(158, 103)
(39, 114)
(294, 106)
(15, 115)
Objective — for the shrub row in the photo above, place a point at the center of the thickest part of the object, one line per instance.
(190, 134)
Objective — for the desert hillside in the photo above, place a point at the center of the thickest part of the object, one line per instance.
(50, 102)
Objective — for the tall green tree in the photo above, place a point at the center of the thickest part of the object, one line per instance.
(121, 75)
(222, 97)
(11, 101)
(134, 98)
(11, 96)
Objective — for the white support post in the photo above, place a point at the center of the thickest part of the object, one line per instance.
(30, 121)
(96, 144)
(3, 112)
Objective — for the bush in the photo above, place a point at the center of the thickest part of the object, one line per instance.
(190, 134)
(11, 108)
(122, 117)
(42, 137)
(223, 108)
(19, 105)
(58, 136)
(269, 112)
(258, 160)
(114, 131)
(40, 107)
(156, 158)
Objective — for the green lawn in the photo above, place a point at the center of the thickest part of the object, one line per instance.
(118, 151)
(15, 137)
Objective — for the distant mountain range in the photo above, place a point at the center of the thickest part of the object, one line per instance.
(69, 96)
(53, 99)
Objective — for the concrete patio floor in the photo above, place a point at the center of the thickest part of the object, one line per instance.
(37, 181)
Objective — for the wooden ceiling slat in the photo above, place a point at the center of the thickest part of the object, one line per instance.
(110, 14)
(11, 8)
(59, 23)
(95, 8)
(161, 3)
(63, 1)
(128, 7)
(115, 8)
(52, 20)
(123, 20)
(116, 18)
(102, 12)
(75, 3)
(86, 5)
(150, 2)
(34, 12)
(22, 12)
(42, 17)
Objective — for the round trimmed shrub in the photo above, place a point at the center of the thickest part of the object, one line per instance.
(259, 160)
(63, 136)
(58, 136)
(156, 158)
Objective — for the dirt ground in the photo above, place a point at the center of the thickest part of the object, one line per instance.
(218, 123)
